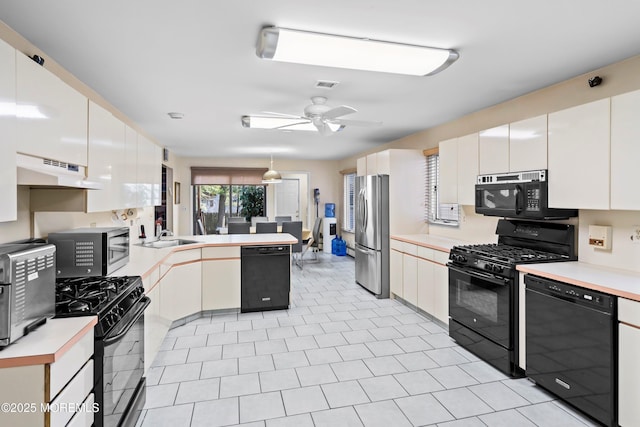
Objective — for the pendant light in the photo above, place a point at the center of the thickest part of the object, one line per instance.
(271, 176)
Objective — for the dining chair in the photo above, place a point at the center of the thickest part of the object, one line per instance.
(235, 219)
(281, 219)
(266, 227)
(257, 219)
(295, 229)
(238, 227)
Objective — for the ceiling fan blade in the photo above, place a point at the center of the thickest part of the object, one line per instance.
(342, 110)
(301, 122)
(356, 122)
(293, 116)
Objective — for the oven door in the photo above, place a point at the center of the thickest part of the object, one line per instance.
(504, 199)
(482, 302)
(117, 250)
(122, 367)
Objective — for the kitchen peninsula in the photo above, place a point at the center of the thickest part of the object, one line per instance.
(186, 280)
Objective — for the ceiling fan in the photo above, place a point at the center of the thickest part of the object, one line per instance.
(327, 120)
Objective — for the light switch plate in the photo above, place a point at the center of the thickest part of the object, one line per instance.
(600, 236)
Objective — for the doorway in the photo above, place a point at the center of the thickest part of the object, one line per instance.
(287, 200)
(164, 212)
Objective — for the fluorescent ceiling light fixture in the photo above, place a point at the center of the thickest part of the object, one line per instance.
(286, 45)
(284, 123)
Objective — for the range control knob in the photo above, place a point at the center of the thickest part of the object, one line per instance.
(459, 258)
(498, 268)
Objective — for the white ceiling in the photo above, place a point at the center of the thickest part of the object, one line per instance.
(197, 57)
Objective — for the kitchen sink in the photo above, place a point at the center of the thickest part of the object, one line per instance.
(157, 244)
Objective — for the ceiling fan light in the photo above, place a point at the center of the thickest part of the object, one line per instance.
(286, 45)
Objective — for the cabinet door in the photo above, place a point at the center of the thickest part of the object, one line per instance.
(395, 273)
(106, 159)
(383, 162)
(129, 178)
(372, 164)
(53, 118)
(493, 150)
(625, 151)
(441, 293)
(628, 375)
(149, 172)
(8, 183)
(579, 156)
(221, 284)
(467, 169)
(425, 286)
(448, 153)
(155, 328)
(528, 144)
(410, 279)
(361, 166)
(181, 291)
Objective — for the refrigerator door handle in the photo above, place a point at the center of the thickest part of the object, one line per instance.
(364, 250)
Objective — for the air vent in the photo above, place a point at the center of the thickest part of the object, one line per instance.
(55, 163)
(84, 255)
(176, 116)
(533, 176)
(326, 84)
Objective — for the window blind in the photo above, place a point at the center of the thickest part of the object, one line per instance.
(436, 212)
(224, 176)
(349, 202)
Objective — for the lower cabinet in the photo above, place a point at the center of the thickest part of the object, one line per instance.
(67, 383)
(419, 275)
(628, 367)
(181, 291)
(221, 284)
(155, 325)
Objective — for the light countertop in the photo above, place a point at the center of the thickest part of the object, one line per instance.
(143, 260)
(622, 283)
(47, 343)
(443, 244)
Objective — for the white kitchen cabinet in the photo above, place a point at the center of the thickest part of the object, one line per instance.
(426, 297)
(361, 166)
(625, 151)
(52, 119)
(107, 157)
(395, 272)
(181, 291)
(372, 164)
(493, 150)
(68, 381)
(458, 169)
(149, 172)
(155, 325)
(129, 178)
(220, 278)
(578, 151)
(8, 186)
(410, 274)
(528, 144)
(448, 153)
(441, 292)
(628, 367)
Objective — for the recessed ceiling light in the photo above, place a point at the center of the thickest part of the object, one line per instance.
(176, 116)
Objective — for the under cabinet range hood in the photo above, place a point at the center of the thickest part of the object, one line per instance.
(40, 172)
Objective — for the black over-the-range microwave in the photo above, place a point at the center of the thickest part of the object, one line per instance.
(90, 251)
(517, 195)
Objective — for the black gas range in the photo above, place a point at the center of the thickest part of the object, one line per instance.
(119, 304)
(484, 304)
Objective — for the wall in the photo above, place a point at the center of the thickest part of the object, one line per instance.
(21, 228)
(322, 175)
(618, 78)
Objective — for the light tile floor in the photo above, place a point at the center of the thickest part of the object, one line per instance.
(337, 357)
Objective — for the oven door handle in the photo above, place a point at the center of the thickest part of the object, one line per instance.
(501, 281)
(145, 303)
(519, 201)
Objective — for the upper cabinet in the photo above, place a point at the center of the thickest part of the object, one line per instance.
(52, 116)
(149, 176)
(493, 150)
(361, 166)
(528, 144)
(625, 151)
(129, 179)
(8, 207)
(374, 164)
(578, 151)
(106, 159)
(459, 169)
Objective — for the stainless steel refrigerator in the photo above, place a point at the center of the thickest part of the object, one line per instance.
(372, 234)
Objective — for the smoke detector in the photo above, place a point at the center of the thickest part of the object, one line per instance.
(326, 84)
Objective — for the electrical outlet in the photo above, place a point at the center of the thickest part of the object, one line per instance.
(635, 234)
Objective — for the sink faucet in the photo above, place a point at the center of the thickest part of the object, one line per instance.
(164, 233)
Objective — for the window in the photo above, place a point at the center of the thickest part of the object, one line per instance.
(348, 222)
(436, 212)
(215, 204)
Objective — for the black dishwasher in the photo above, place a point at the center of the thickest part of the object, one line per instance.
(265, 277)
(571, 342)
